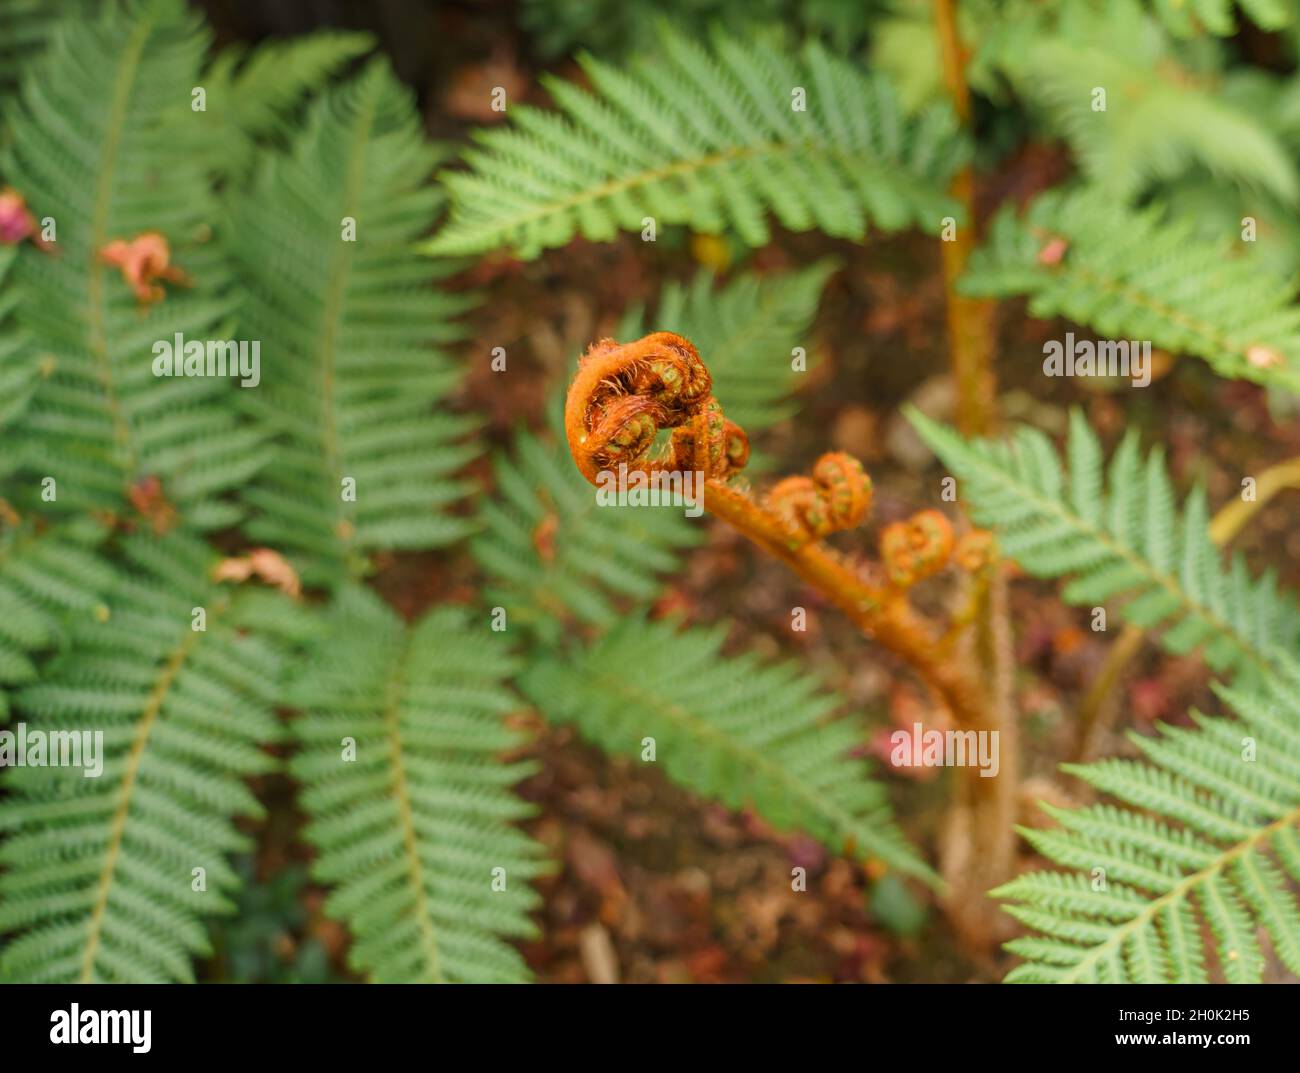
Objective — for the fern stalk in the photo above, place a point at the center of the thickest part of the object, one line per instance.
(979, 848)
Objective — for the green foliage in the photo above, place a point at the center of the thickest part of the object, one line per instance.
(733, 728)
(254, 95)
(1121, 535)
(707, 138)
(1163, 112)
(49, 577)
(96, 124)
(99, 871)
(20, 366)
(1141, 274)
(1193, 868)
(414, 830)
(617, 28)
(746, 332)
(351, 336)
(553, 556)
(25, 26)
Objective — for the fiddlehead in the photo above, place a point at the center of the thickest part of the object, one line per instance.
(917, 548)
(626, 393)
(837, 496)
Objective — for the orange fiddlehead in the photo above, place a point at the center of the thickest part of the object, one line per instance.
(624, 394)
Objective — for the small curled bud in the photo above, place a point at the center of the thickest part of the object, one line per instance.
(917, 548)
(837, 496)
(974, 551)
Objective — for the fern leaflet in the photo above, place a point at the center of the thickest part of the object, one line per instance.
(1139, 274)
(102, 874)
(350, 332)
(710, 138)
(414, 829)
(1121, 536)
(98, 121)
(1208, 840)
(733, 728)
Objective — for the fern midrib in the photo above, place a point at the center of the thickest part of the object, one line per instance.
(331, 322)
(848, 824)
(1052, 508)
(117, 827)
(127, 70)
(406, 813)
(679, 168)
(1114, 945)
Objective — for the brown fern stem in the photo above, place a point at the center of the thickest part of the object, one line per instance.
(979, 844)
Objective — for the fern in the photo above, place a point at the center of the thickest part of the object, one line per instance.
(25, 27)
(414, 829)
(734, 729)
(1121, 535)
(746, 331)
(1162, 116)
(1207, 843)
(553, 556)
(99, 873)
(708, 138)
(1142, 275)
(254, 94)
(49, 578)
(20, 366)
(350, 332)
(98, 122)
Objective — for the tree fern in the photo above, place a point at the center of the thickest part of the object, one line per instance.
(1121, 536)
(350, 333)
(731, 728)
(709, 138)
(97, 123)
(1139, 274)
(1190, 872)
(101, 875)
(50, 578)
(414, 829)
(747, 331)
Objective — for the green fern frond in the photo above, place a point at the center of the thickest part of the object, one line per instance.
(1160, 119)
(252, 94)
(553, 556)
(351, 333)
(1139, 274)
(709, 138)
(1209, 841)
(733, 728)
(414, 827)
(745, 331)
(49, 577)
(101, 875)
(25, 27)
(20, 366)
(100, 145)
(1121, 535)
